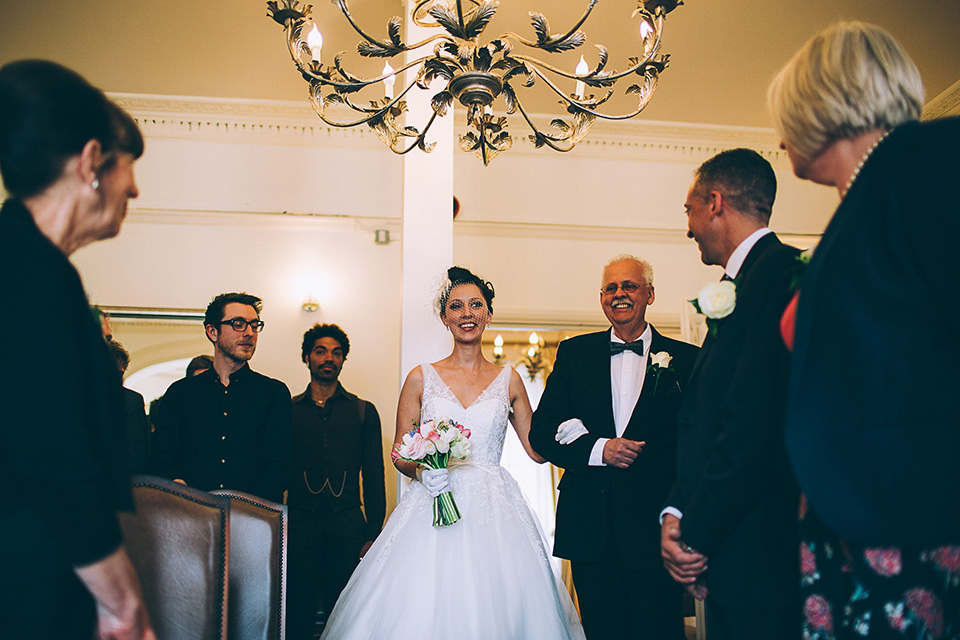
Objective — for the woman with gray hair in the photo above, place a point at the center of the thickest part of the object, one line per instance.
(871, 423)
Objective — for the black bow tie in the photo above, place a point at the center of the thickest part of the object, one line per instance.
(620, 347)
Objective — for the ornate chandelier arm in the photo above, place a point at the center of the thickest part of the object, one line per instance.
(551, 43)
(352, 83)
(419, 13)
(597, 77)
(419, 143)
(381, 118)
(646, 93)
(541, 138)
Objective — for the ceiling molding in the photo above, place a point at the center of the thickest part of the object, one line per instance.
(295, 123)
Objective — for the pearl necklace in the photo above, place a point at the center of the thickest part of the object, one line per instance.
(863, 160)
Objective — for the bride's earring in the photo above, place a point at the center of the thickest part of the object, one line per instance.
(95, 184)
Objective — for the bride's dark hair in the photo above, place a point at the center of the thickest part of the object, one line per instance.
(457, 276)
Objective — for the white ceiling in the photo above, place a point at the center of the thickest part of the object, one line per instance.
(723, 52)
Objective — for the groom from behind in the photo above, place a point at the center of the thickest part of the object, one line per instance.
(729, 530)
(608, 418)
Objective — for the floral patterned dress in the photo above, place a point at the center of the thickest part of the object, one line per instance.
(851, 591)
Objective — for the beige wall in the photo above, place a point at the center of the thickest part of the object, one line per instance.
(218, 177)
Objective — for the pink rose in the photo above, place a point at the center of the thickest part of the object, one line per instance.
(465, 431)
(927, 608)
(886, 562)
(416, 447)
(817, 612)
(947, 559)
(808, 562)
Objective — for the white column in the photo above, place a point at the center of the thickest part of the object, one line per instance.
(427, 225)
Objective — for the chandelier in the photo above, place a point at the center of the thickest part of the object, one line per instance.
(471, 72)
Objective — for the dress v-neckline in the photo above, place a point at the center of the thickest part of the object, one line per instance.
(459, 401)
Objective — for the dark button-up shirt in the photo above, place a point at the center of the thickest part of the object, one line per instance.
(227, 437)
(334, 445)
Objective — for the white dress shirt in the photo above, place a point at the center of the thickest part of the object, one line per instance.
(740, 253)
(627, 373)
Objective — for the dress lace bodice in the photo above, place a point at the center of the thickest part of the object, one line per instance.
(486, 417)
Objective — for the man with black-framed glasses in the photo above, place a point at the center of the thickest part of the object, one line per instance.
(228, 427)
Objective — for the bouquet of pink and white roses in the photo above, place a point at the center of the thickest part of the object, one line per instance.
(432, 444)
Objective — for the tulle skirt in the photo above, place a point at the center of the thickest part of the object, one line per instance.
(486, 577)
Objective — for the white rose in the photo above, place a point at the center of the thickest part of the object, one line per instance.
(449, 434)
(661, 359)
(431, 448)
(442, 444)
(718, 299)
(460, 448)
(427, 427)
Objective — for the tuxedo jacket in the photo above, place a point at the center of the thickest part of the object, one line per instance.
(872, 424)
(604, 505)
(734, 485)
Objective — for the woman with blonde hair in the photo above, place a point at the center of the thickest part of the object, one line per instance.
(871, 423)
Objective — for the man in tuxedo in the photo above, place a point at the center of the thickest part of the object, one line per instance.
(608, 418)
(729, 528)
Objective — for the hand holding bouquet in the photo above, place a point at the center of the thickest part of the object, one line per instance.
(432, 444)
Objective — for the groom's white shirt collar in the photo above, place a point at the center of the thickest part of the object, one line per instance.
(740, 253)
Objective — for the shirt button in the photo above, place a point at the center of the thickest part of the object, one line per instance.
(223, 437)
(224, 414)
(222, 461)
(221, 486)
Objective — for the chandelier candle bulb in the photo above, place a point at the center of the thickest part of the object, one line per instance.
(582, 68)
(389, 80)
(315, 42)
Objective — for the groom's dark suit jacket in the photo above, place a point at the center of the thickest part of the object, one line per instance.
(608, 505)
(734, 484)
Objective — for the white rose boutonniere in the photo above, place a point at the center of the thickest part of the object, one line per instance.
(659, 362)
(661, 359)
(716, 301)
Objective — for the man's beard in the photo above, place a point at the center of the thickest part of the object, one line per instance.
(320, 375)
(234, 353)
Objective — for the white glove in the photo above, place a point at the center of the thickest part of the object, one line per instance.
(436, 481)
(570, 430)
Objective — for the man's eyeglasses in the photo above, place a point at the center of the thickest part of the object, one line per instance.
(628, 287)
(239, 324)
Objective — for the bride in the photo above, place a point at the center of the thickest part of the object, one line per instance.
(488, 575)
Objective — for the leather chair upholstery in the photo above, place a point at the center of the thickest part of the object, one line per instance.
(178, 541)
(258, 567)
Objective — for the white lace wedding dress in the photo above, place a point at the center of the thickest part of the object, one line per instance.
(486, 577)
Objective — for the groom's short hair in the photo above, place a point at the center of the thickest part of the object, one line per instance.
(744, 177)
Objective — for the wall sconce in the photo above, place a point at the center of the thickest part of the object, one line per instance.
(498, 349)
(381, 236)
(310, 305)
(534, 358)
